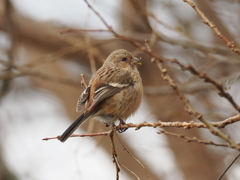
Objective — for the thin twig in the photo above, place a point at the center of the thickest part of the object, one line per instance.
(124, 148)
(71, 30)
(219, 86)
(99, 15)
(194, 139)
(191, 87)
(229, 167)
(83, 82)
(53, 56)
(206, 21)
(185, 125)
(188, 108)
(89, 46)
(114, 153)
(158, 59)
(80, 135)
(23, 71)
(160, 124)
(130, 171)
(173, 61)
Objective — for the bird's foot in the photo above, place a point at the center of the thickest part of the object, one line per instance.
(121, 122)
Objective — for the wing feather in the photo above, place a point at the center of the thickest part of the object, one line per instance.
(104, 92)
(117, 79)
(83, 99)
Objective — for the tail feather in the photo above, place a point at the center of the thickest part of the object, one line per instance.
(80, 120)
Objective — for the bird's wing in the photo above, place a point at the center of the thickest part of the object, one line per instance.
(105, 83)
(83, 99)
(106, 91)
(110, 80)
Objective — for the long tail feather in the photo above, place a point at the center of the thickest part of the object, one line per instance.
(80, 120)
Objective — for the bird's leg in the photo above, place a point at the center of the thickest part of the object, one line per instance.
(121, 122)
(107, 125)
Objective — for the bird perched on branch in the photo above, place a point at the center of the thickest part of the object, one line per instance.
(114, 92)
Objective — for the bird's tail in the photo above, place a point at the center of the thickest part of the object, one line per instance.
(80, 120)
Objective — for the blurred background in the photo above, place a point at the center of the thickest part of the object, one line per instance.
(40, 85)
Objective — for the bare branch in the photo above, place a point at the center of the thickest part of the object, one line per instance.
(99, 15)
(71, 30)
(206, 21)
(229, 166)
(188, 108)
(185, 125)
(194, 139)
(124, 148)
(173, 61)
(160, 124)
(83, 82)
(114, 153)
(130, 171)
(80, 135)
(22, 71)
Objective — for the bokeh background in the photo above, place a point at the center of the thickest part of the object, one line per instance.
(40, 85)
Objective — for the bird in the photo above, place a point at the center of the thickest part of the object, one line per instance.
(114, 92)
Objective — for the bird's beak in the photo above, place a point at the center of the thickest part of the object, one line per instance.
(135, 60)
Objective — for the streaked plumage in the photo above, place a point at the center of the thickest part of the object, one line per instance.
(114, 92)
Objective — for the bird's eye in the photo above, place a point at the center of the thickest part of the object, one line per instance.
(124, 59)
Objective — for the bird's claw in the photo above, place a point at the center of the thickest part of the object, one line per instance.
(121, 122)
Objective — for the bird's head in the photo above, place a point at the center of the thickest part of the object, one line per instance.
(122, 59)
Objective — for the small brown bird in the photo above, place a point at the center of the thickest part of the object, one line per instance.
(114, 92)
